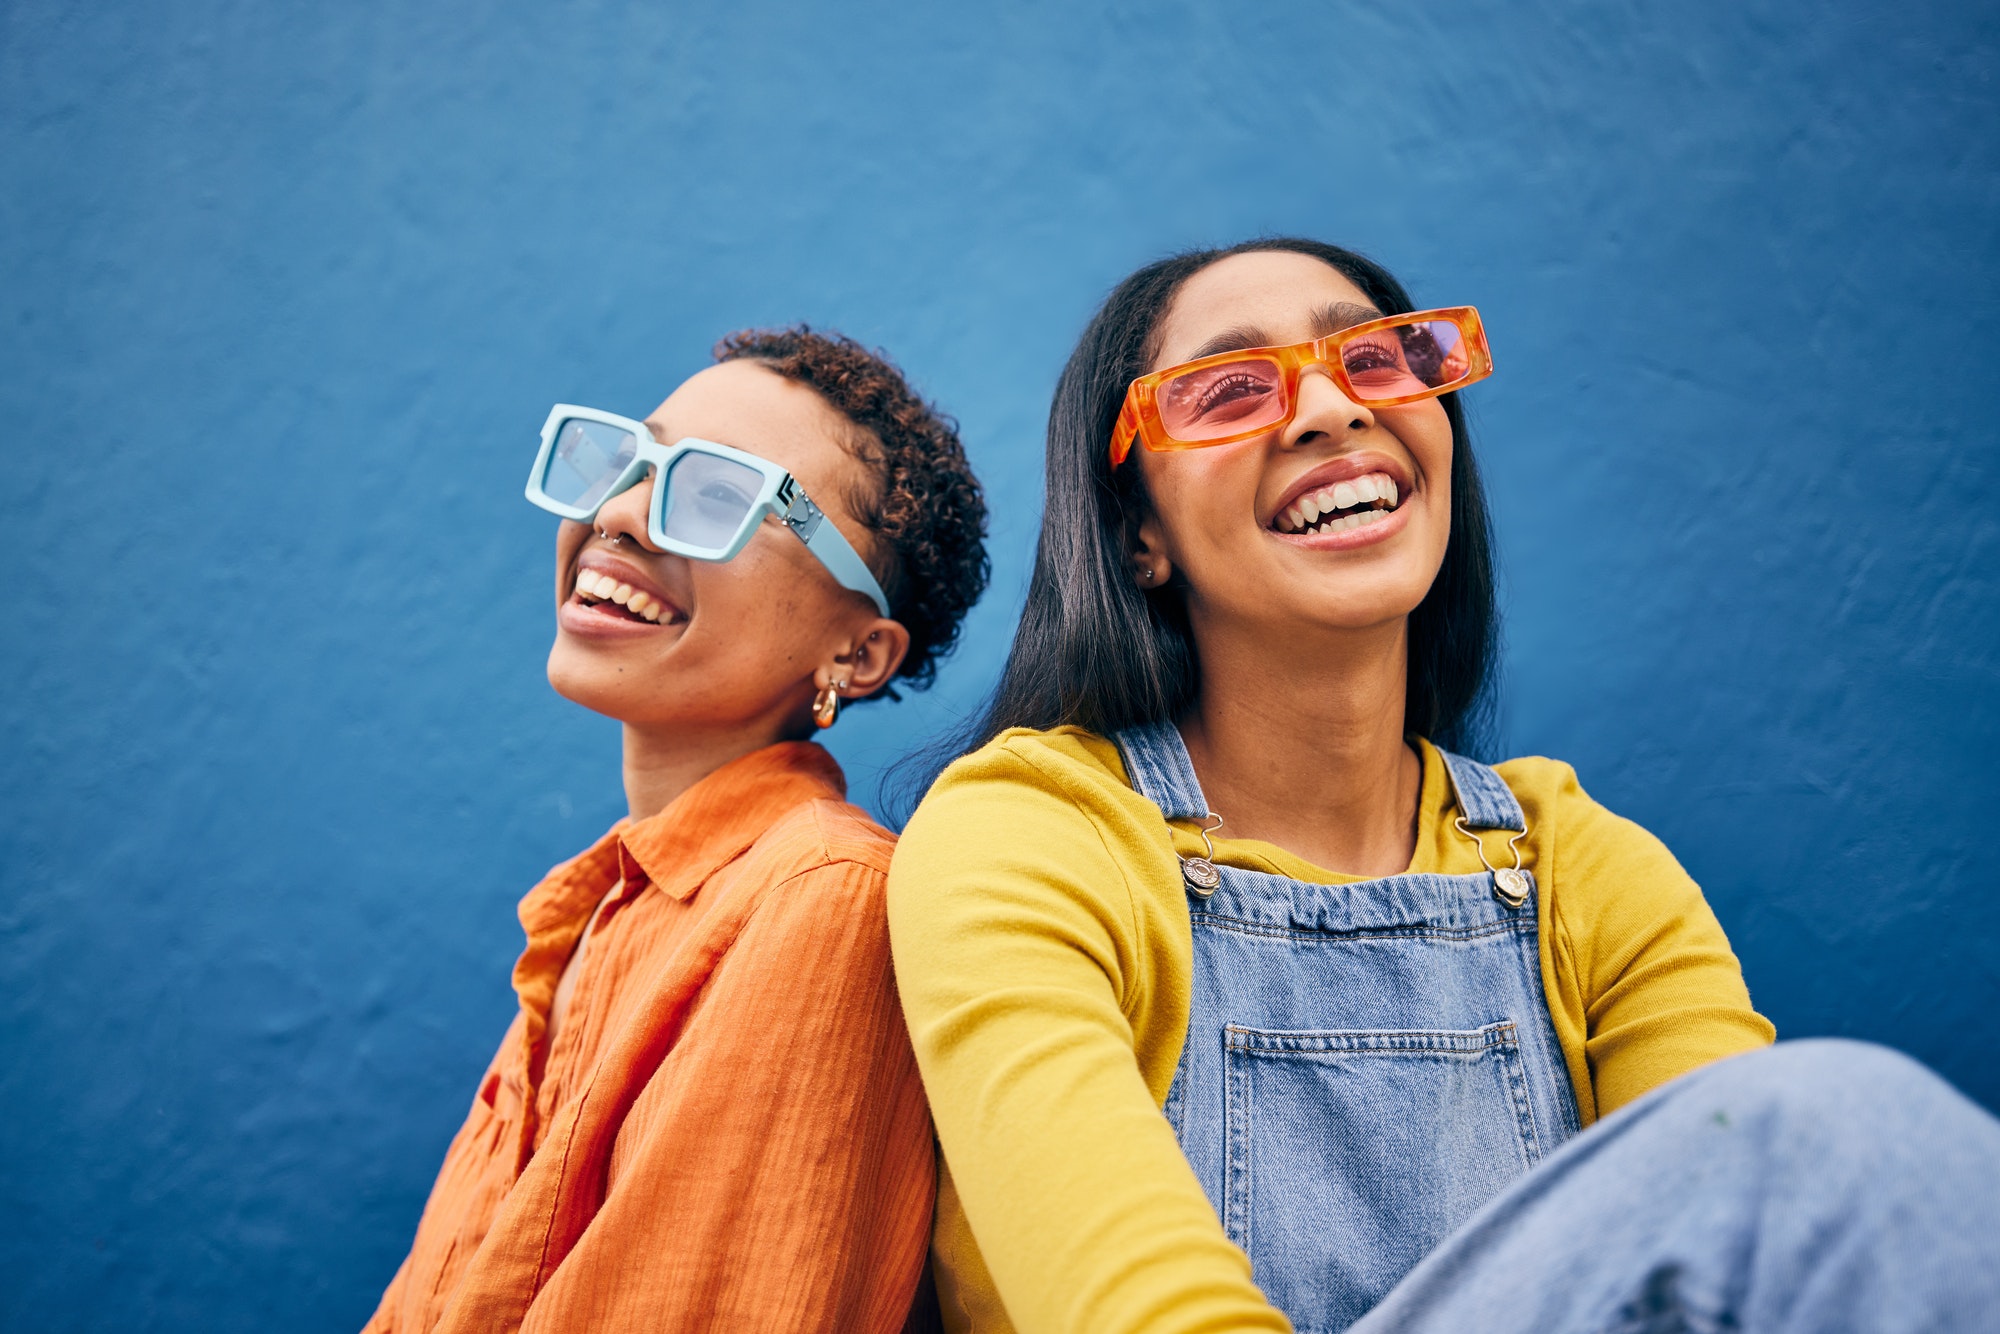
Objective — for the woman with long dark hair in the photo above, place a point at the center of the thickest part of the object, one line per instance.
(1240, 987)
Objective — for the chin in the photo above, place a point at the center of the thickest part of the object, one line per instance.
(596, 686)
(1363, 609)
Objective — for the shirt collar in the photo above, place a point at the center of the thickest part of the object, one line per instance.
(712, 823)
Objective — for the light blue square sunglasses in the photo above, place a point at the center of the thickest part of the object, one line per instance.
(707, 503)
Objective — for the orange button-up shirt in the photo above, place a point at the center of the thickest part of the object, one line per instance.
(727, 1131)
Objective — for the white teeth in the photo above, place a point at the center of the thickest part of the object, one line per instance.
(604, 588)
(1315, 507)
(1359, 519)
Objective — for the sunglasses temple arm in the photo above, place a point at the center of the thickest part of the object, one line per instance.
(827, 543)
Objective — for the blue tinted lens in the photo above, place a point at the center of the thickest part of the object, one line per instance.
(587, 460)
(708, 499)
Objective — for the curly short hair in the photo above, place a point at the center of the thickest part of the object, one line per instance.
(927, 513)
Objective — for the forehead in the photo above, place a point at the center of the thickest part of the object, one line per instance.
(753, 408)
(1269, 298)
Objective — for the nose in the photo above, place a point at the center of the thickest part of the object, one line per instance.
(1324, 410)
(625, 514)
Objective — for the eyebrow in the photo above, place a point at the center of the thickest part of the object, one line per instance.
(1337, 315)
(1329, 318)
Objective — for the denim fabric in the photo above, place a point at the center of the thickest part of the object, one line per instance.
(1821, 1187)
(1366, 1065)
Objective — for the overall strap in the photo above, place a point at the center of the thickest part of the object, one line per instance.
(1157, 760)
(1483, 796)
(1485, 802)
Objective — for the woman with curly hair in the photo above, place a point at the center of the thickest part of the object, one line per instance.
(706, 1113)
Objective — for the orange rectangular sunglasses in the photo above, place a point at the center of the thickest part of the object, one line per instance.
(1233, 396)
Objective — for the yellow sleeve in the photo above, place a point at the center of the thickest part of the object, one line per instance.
(1026, 961)
(1660, 990)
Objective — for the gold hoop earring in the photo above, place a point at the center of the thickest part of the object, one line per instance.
(826, 704)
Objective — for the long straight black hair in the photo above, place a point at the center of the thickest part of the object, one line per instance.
(1095, 651)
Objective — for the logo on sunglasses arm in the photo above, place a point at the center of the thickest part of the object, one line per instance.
(800, 514)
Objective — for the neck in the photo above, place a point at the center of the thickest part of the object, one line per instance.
(1306, 750)
(661, 764)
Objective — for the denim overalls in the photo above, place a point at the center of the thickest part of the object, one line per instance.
(1365, 1064)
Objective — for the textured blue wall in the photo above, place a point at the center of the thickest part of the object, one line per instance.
(285, 291)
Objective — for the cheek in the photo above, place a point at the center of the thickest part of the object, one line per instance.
(758, 612)
(570, 537)
(1437, 467)
(1437, 475)
(1204, 497)
(1431, 449)
(1426, 433)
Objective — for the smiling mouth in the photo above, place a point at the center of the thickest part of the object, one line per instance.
(1354, 503)
(608, 595)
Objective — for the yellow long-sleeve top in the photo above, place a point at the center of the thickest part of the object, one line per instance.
(1044, 958)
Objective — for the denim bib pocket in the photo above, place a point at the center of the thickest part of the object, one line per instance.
(1312, 1164)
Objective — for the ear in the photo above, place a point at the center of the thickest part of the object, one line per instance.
(867, 660)
(1146, 553)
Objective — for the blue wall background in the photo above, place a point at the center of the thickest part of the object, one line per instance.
(286, 290)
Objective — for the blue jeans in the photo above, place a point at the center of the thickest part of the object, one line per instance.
(1816, 1187)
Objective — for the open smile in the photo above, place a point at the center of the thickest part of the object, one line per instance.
(1353, 501)
(607, 593)
(1341, 506)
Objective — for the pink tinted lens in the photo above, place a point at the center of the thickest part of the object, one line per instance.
(1405, 359)
(1223, 400)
